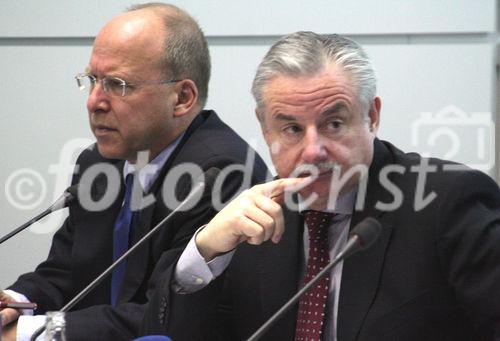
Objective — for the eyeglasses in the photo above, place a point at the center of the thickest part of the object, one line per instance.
(113, 86)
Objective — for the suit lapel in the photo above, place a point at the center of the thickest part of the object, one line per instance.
(137, 264)
(360, 280)
(361, 272)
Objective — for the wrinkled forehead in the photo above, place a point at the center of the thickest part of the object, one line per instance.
(328, 76)
(329, 85)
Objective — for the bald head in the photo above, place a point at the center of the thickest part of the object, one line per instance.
(137, 35)
(185, 54)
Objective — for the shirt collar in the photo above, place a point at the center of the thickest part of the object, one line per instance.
(344, 204)
(149, 173)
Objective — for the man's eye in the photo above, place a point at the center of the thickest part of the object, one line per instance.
(292, 129)
(334, 125)
(114, 83)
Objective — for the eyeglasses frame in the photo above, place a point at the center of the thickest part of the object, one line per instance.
(124, 84)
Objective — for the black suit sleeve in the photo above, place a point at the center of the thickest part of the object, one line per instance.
(48, 285)
(469, 248)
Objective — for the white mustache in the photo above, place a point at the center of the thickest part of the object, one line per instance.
(316, 168)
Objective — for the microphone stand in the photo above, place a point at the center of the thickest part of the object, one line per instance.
(25, 225)
(63, 201)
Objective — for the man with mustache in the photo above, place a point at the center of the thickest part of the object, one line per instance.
(147, 81)
(433, 273)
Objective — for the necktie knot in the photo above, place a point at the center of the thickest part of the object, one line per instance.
(129, 186)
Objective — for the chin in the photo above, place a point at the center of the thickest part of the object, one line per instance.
(321, 201)
(109, 153)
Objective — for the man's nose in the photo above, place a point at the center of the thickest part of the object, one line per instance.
(98, 100)
(314, 148)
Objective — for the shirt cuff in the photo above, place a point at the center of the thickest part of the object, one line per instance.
(19, 298)
(27, 325)
(192, 273)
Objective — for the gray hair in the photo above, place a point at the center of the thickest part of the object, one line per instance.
(308, 53)
(186, 49)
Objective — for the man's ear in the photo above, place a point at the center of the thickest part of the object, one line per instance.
(374, 114)
(187, 97)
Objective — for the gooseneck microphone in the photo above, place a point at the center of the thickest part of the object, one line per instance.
(207, 178)
(361, 237)
(68, 196)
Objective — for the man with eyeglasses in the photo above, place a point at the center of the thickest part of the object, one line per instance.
(147, 81)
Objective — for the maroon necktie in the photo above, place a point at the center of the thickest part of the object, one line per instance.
(310, 317)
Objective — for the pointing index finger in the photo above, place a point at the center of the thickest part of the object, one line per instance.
(276, 188)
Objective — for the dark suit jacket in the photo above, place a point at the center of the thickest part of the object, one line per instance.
(82, 248)
(433, 274)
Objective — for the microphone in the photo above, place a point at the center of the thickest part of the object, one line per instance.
(361, 237)
(207, 178)
(68, 196)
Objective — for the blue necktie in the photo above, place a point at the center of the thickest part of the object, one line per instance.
(120, 238)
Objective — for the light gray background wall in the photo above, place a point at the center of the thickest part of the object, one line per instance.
(435, 57)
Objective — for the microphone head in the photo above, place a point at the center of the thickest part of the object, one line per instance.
(69, 195)
(367, 232)
(72, 190)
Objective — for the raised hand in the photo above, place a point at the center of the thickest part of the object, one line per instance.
(253, 217)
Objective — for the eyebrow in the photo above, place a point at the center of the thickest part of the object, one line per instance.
(334, 109)
(284, 117)
(329, 111)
